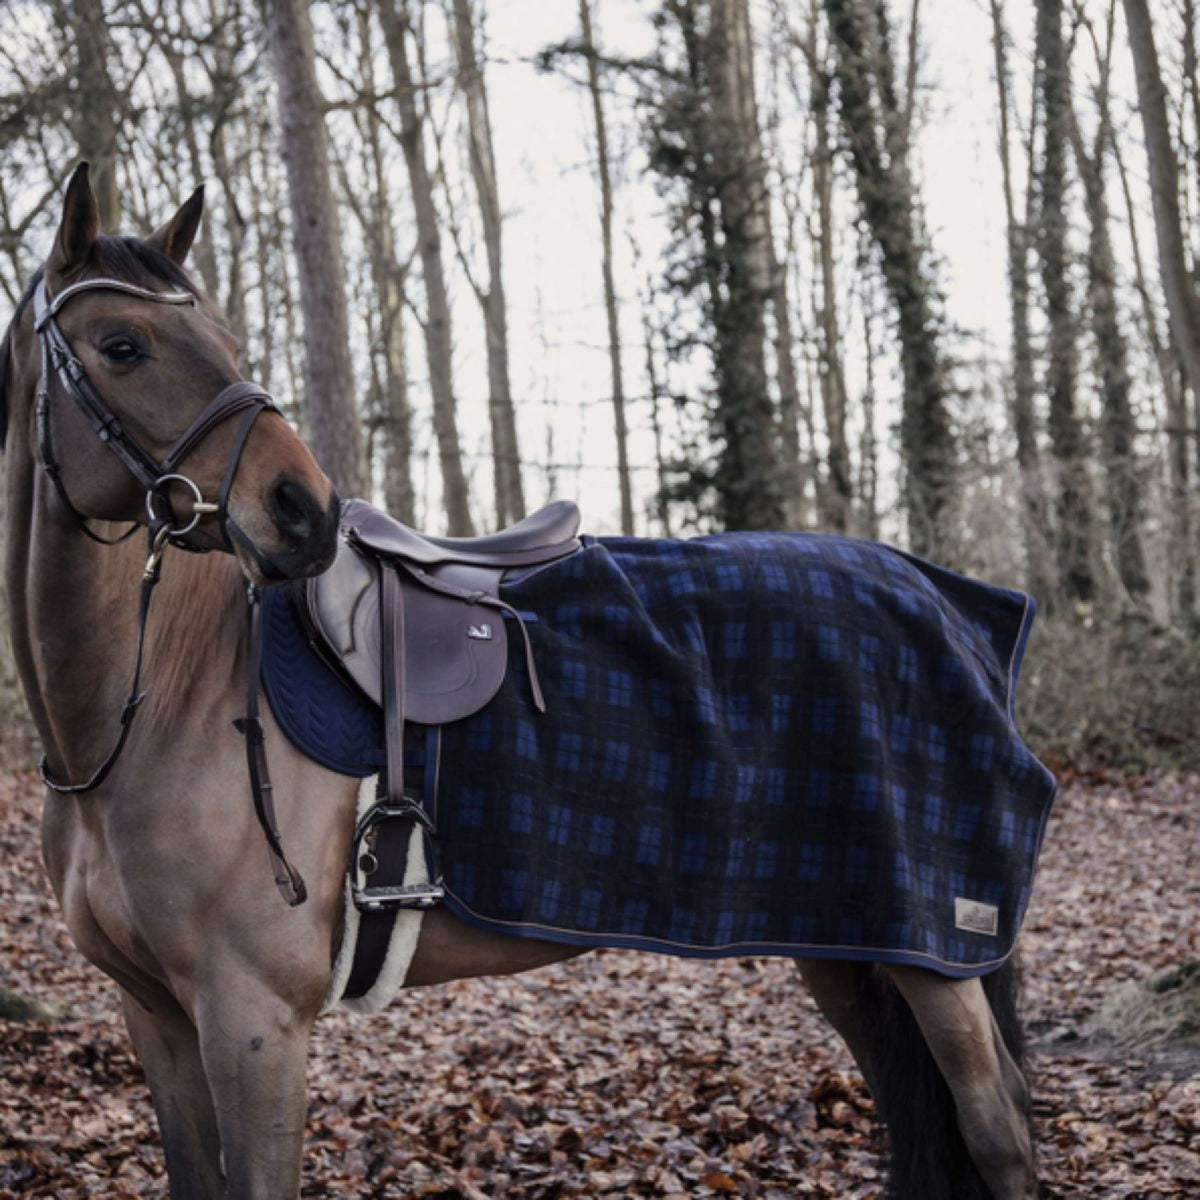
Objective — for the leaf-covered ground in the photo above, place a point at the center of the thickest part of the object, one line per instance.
(623, 1075)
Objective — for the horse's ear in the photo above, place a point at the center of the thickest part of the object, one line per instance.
(80, 225)
(175, 238)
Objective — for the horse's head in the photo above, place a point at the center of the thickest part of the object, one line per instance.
(156, 354)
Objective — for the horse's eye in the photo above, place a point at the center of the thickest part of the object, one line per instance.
(121, 350)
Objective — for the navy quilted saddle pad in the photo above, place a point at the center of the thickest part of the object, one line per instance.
(754, 744)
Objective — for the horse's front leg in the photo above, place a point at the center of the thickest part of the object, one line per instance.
(166, 1044)
(255, 1048)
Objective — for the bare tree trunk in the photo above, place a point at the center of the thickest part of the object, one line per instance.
(96, 121)
(874, 132)
(662, 502)
(510, 494)
(911, 70)
(869, 463)
(235, 231)
(1038, 567)
(789, 396)
(264, 367)
(1182, 302)
(1191, 78)
(329, 376)
(439, 341)
(393, 413)
(840, 493)
(203, 252)
(1074, 486)
(1117, 424)
(1182, 555)
(795, 467)
(610, 290)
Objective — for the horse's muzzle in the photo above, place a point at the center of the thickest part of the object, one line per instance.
(307, 533)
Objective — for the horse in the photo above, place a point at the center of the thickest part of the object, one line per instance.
(159, 869)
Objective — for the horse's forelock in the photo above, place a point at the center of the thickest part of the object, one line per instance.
(134, 261)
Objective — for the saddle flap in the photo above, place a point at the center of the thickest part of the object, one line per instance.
(456, 652)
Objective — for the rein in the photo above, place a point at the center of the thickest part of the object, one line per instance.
(59, 361)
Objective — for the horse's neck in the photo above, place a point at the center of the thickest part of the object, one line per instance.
(74, 625)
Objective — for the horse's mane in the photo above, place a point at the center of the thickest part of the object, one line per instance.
(205, 598)
(126, 258)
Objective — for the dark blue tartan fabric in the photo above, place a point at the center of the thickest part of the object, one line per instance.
(755, 744)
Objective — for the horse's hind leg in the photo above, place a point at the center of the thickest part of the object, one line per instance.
(990, 1096)
(169, 1051)
(834, 985)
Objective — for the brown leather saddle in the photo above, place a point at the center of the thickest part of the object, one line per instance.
(417, 624)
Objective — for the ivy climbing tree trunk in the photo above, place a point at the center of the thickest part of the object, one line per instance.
(875, 134)
(747, 476)
(1074, 502)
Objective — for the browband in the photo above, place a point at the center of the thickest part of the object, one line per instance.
(49, 309)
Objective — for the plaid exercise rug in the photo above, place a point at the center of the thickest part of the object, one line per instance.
(754, 744)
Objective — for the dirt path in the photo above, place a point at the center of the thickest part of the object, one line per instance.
(622, 1075)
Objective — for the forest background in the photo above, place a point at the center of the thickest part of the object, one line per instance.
(921, 271)
(918, 272)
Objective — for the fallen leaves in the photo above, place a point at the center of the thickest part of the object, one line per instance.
(627, 1076)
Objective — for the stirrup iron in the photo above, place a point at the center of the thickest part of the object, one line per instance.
(363, 863)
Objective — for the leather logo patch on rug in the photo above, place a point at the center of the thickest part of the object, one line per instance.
(975, 916)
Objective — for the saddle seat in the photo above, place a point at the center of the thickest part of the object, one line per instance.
(541, 537)
(449, 634)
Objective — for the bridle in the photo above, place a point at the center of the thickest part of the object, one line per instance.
(155, 475)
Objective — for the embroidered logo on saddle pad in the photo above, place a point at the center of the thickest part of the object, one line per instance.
(975, 916)
(480, 633)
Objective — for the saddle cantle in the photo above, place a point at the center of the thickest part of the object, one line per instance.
(418, 626)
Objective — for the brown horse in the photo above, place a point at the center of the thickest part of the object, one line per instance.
(161, 871)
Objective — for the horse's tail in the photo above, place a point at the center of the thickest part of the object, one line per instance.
(929, 1159)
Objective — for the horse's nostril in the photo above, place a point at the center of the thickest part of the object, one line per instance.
(294, 508)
